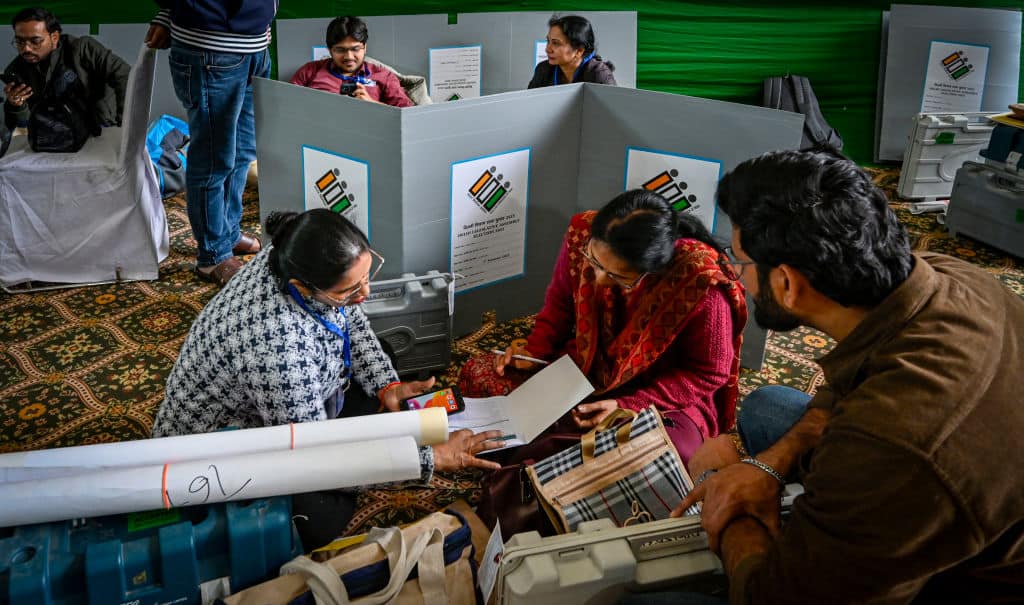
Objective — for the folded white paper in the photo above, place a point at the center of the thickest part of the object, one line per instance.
(531, 408)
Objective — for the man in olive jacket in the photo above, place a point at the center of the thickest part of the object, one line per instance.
(45, 53)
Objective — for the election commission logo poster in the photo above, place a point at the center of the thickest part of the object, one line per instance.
(337, 182)
(955, 79)
(687, 182)
(488, 210)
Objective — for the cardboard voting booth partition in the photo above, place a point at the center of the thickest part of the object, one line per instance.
(943, 59)
(507, 42)
(486, 187)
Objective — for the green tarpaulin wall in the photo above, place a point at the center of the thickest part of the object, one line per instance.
(719, 50)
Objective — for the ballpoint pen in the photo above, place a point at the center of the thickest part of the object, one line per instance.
(522, 357)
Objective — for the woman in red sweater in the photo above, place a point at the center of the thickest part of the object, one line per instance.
(647, 305)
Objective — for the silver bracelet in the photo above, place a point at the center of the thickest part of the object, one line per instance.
(764, 467)
(701, 478)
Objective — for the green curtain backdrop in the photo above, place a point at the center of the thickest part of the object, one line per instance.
(719, 50)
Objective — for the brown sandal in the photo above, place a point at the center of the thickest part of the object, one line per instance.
(247, 244)
(222, 272)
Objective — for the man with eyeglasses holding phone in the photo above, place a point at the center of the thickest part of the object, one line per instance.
(347, 72)
(45, 54)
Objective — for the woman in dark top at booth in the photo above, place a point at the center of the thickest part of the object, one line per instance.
(571, 55)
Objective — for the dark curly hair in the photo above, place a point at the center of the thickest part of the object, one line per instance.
(819, 213)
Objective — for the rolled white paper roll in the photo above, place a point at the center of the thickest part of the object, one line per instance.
(206, 481)
(428, 427)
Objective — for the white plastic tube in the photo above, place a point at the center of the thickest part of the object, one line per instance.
(209, 480)
(427, 427)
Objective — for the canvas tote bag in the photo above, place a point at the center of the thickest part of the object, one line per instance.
(430, 562)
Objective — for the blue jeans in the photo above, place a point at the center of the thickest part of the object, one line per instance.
(215, 88)
(766, 415)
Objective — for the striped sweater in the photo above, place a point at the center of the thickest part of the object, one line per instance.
(208, 25)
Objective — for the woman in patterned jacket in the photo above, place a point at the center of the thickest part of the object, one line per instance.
(287, 341)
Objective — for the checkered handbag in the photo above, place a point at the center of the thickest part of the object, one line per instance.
(629, 473)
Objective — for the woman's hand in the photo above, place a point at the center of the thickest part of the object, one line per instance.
(588, 415)
(460, 450)
(517, 347)
(393, 396)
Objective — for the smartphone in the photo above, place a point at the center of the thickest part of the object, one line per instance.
(348, 88)
(450, 399)
(11, 78)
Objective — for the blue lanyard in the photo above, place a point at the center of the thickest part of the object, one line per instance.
(346, 345)
(577, 72)
(361, 78)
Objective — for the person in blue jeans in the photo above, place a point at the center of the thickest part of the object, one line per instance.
(215, 54)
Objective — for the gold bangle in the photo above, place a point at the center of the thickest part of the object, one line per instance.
(738, 444)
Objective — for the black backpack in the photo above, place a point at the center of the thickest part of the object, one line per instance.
(62, 121)
(794, 93)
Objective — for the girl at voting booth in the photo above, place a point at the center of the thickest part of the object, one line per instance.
(287, 341)
(647, 305)
(572, 55)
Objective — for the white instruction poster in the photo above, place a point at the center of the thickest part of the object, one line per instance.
(337, 182)
(687, 182)
(488, 225)
(540, 51)
(455, 73)
(321, 52)
(955, 80)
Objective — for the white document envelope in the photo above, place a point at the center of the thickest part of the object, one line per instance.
(531, 408)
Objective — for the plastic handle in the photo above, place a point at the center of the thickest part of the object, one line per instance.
(589, 441)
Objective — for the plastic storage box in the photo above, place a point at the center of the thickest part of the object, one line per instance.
(939, 145)
(157, 557)
(988, 204)
(413, 314)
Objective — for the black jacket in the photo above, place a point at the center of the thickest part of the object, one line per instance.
(103, 74)
(596, 70)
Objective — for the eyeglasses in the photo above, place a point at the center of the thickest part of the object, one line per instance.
(33, 43)
(618, 279)
(376, 264)
(734, 264)
(344, 50)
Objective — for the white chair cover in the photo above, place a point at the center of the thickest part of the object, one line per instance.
(90, 216)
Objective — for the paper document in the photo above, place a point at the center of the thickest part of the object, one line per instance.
(528, 410)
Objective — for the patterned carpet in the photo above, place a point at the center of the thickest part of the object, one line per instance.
(88, 365)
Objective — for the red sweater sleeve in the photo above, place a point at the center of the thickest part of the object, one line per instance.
(692, 369)
(304, 75)
(556, 320)
(391, 91)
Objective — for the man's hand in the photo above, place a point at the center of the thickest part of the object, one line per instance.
(361, 94)
(735, 491)
(158, 37)
(17, 94)
(460, 450)
(393, 396)
(588, 415)
(716, 453)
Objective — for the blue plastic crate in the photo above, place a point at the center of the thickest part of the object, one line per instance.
(154, 558)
